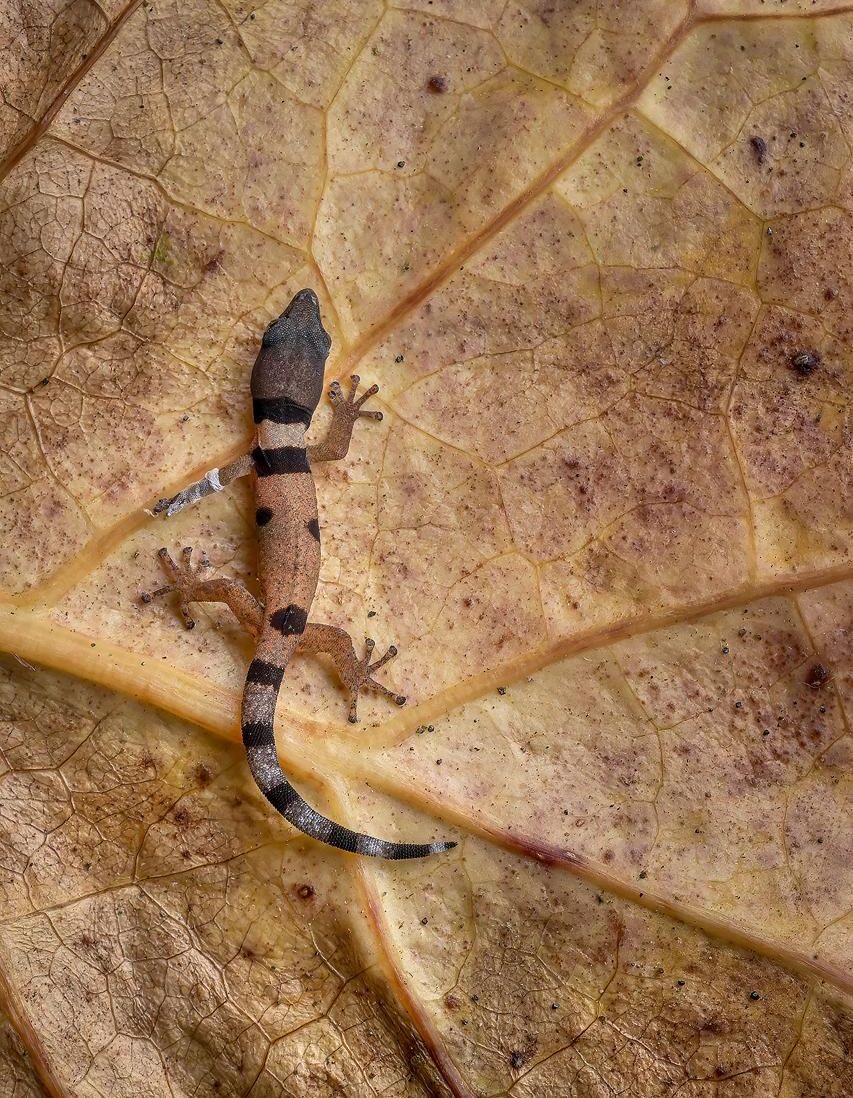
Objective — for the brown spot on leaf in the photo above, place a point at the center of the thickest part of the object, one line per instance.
(805, 362)
(817, 675)
(759, 148)
(518, 1057)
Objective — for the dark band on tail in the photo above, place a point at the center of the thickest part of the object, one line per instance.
(259, 702)
(265, 674)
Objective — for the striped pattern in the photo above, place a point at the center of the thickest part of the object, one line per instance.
(259, 702)
(286, 512)
(279, 410)
(283, 459)
(265, 674)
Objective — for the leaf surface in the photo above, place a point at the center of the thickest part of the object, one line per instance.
(583, 249)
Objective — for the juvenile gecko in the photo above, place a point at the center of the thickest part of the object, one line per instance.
(287, 382)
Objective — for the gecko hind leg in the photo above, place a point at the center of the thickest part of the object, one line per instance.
(356, 674)
(194, 584)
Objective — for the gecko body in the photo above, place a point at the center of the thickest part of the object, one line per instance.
(286, 386)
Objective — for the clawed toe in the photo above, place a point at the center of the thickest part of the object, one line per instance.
(389, 655)
(366, 395)
(364, 678)
(149, 596)
(348, 405)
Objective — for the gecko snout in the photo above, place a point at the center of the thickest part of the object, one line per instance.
(292, 358)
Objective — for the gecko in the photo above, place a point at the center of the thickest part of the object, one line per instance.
(286, 385)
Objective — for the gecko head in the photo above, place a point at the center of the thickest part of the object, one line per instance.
(292, 358)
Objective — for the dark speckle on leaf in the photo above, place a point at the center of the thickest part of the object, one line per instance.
(805, 362)
(759, 148)
(817, 676)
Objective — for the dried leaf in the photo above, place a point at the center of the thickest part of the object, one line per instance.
(584, 250)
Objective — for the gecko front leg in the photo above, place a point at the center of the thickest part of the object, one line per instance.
(345, 411)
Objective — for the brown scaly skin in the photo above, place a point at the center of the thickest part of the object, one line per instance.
(287, 382)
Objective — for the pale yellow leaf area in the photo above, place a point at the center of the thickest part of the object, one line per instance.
(605, 518)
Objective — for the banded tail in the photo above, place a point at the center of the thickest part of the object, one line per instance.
(259, 702)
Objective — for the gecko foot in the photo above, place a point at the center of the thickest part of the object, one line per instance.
(185, 580)
(348, 407)
(362, 678)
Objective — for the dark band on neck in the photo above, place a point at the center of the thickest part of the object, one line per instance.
(282, 459)
(279, 410)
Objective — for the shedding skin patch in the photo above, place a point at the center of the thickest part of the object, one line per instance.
(289, 620)
(263, 762)
(263, 515)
